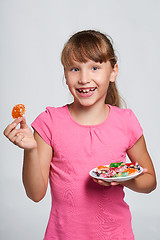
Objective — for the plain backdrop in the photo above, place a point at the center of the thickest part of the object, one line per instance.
(32, 35)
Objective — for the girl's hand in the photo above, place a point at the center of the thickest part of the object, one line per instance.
(106, 184)
(22, 137)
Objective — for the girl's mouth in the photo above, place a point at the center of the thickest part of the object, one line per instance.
(85, 92)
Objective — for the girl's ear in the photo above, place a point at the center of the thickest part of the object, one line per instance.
(114, 73)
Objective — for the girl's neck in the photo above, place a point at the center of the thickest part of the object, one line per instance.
(89, 115)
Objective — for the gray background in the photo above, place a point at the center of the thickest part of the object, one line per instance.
(32, 36)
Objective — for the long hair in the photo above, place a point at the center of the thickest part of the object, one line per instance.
(96, 46)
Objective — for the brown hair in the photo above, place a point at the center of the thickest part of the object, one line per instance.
(96, 46)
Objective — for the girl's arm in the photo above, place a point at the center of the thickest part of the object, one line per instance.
(146, 182)
(37, 158)
(36, 168)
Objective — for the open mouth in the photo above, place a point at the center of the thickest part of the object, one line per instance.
(86, 90)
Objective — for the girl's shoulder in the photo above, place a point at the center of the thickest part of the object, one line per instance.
(50, 114)
(52, 111)
(126, 120)
(125, 117)
(124, 113)
(47, 122)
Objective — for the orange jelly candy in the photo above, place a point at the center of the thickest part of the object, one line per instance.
(103, 168)
(18, 111)
(131, 170)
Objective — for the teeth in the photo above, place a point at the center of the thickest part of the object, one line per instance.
(86, 90)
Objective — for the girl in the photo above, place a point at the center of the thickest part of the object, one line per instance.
(71, 140)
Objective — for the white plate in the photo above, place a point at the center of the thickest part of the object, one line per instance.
(114, 179)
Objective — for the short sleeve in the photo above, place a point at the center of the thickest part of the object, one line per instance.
(43, 124)
(134, 129)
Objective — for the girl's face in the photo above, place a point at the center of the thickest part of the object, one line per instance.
(88, 82)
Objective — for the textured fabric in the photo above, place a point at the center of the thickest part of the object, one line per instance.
(82, 209)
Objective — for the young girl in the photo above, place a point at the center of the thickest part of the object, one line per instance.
(71, 140)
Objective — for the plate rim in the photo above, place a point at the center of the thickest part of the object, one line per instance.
(116, 179)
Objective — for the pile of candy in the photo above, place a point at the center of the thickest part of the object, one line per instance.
(117, 169)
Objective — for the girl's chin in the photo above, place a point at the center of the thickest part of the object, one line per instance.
(85, 102)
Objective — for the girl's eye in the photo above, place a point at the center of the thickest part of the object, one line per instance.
(75, 69)
(95, 68)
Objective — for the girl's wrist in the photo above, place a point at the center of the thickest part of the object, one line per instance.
(31, 150)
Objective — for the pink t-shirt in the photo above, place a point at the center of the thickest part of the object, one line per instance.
(82, 209)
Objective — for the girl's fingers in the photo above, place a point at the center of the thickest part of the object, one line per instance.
(115, 183)
(18, 139)
(103, 183)
(23, 136)
(13, 134)
(23, 123)
(12, 126)
(145, 170)
(9, 128)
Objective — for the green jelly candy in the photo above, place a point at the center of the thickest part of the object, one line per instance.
(124, 174)
(116, 164)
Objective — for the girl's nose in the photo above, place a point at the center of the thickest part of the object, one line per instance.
(84, 77)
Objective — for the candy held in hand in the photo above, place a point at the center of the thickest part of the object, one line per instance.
(18, 111)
